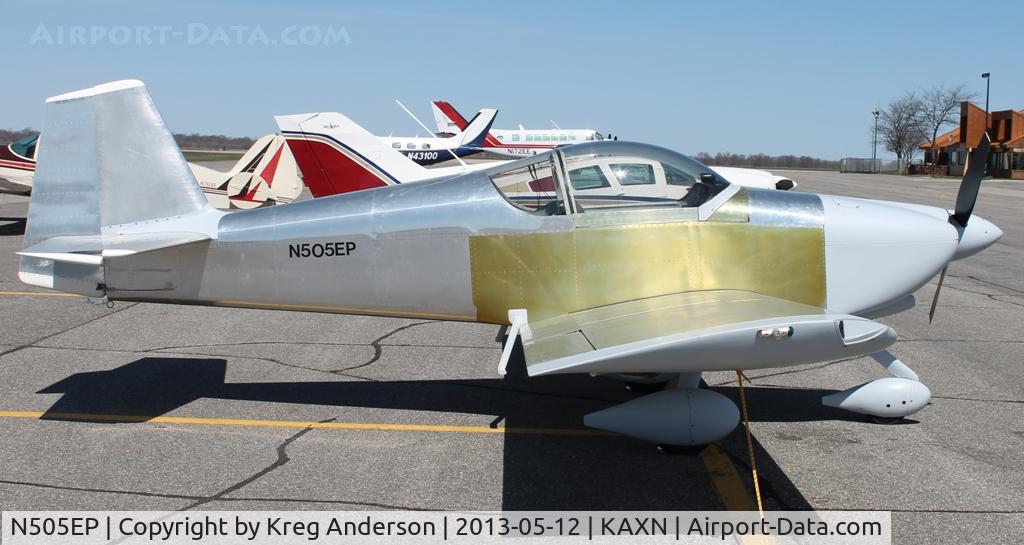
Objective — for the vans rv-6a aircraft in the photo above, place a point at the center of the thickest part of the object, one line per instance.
(265, 175)
(505, 143)
(726, 278)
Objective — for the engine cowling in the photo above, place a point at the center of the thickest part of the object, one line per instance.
(680, 416)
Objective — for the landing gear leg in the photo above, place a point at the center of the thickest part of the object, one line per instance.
(646, 383)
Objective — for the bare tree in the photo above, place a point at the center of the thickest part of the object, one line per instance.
(900, 128)
(940, 107)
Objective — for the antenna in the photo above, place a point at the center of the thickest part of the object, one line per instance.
(555, 124)
(413, 116)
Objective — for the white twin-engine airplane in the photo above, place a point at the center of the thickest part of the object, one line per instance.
(437, 149)
(511, 142)
(265, 175)
(726, 278)
(504, 143)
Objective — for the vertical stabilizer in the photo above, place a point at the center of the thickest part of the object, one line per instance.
(109, 166)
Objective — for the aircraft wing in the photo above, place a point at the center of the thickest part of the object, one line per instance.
(697, 331)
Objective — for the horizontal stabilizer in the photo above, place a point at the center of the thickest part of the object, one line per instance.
(93, 249)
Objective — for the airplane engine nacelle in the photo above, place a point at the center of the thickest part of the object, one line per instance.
(671, 417)
(889, 397)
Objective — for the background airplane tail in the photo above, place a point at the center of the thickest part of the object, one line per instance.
(265, 175)
(337, 155)
(445, 115)
(447, 118)
(109, 169)
(477, 130)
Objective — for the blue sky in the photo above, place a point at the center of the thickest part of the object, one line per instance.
(746, 77)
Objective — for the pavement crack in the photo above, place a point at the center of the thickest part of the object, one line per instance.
(976, 279)
(990, 296)
(262, 358)
(329, 502)
(790, 371)
(377, 351)
(31, 344)
(101, 490)
(194, 498)
(981, 400)
(282, 459)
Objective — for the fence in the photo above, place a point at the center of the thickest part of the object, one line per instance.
(854, 164)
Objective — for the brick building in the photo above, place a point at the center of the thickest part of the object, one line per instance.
(1006, 128)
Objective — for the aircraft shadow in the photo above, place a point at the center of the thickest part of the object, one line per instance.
(540, 472)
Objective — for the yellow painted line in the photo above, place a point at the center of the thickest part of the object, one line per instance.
(39, 293)
(726, 480)
(730, 488)
(250, 423)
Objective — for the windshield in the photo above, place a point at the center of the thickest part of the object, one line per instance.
(608, 174)
(529, 184)
(26, 147)
(643, 173)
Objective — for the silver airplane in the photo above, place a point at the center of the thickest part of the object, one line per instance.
(726, 278)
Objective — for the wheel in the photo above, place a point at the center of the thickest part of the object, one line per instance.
(885, 420)
(681, 450)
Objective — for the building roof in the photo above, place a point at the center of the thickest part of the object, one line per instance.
(950, 138)
(1016, 143)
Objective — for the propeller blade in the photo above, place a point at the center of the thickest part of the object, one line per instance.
(971, 184)
(935, 298)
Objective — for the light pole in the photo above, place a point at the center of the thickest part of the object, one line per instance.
(874, 142)
(988, 83)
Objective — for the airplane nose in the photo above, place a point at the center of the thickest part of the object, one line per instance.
(978, 235)
(878, 252)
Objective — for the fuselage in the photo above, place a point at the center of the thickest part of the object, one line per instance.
(457, 249)
(429, 150)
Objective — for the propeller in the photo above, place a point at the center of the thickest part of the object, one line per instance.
(966, 198)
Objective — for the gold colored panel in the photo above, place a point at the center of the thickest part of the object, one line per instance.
(552, 274)
(736, 209)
